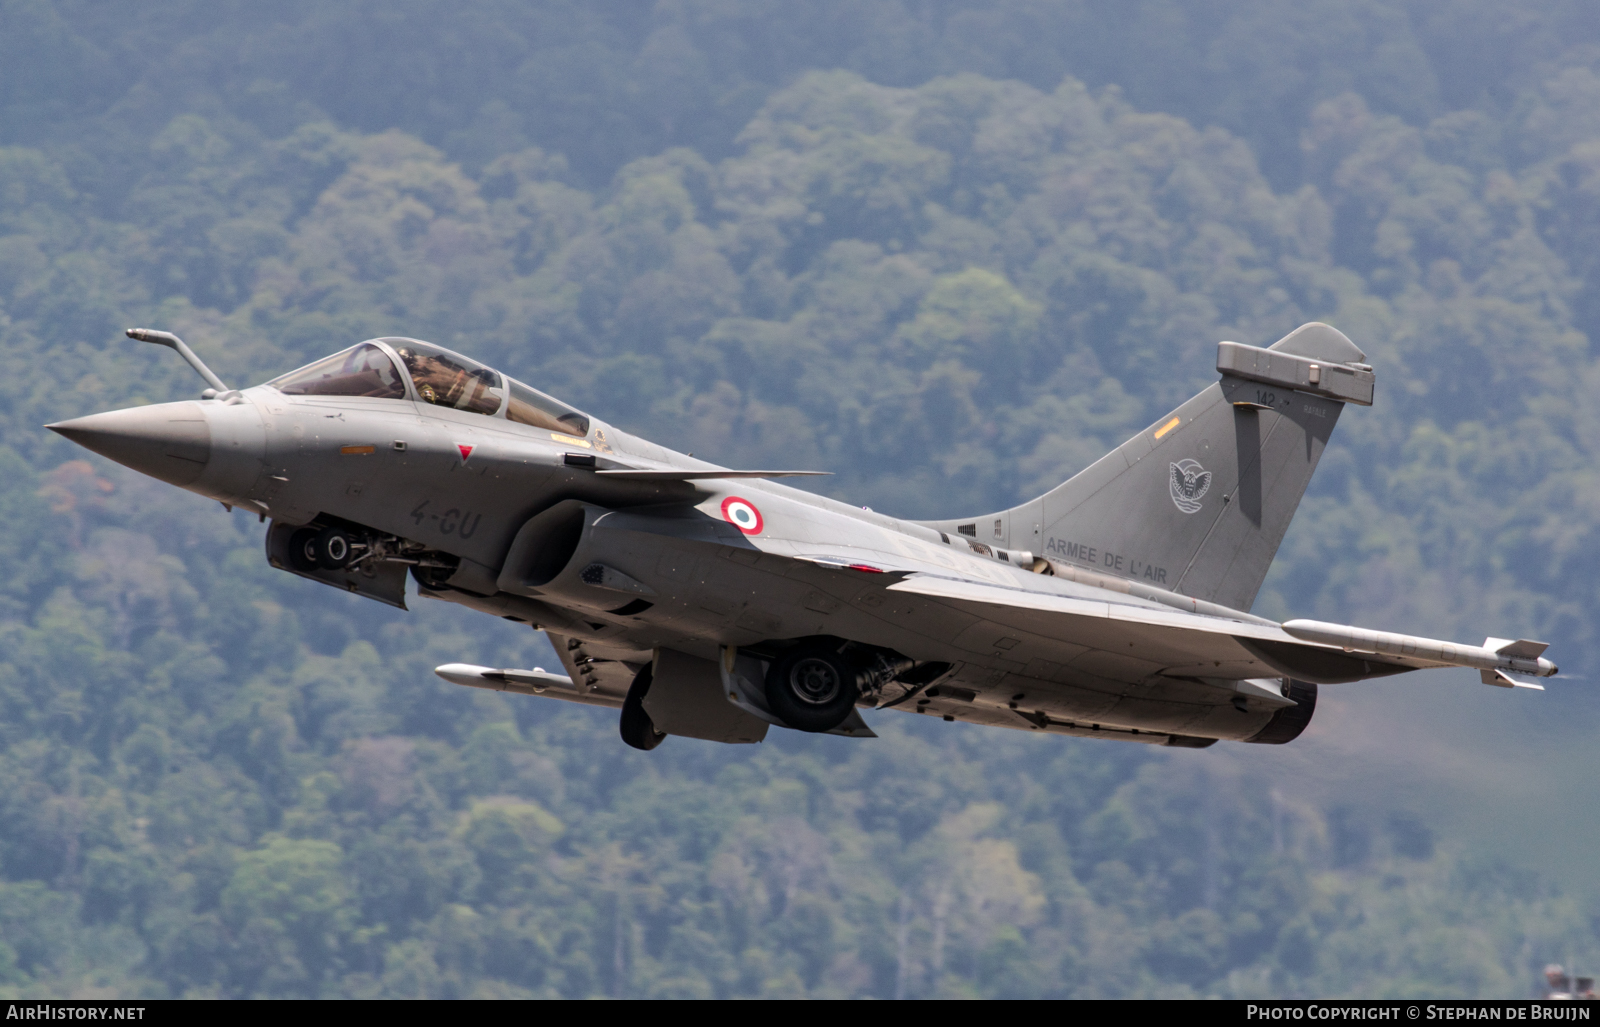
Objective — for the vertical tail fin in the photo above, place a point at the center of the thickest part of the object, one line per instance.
(1199, 502)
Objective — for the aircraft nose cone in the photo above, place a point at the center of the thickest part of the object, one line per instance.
(169, 441)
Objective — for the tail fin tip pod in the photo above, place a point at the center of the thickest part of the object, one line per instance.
(1198, 502)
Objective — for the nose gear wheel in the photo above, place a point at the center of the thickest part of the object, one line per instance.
(333, 548)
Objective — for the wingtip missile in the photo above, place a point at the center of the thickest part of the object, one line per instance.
(1521, 656)
(677, 474)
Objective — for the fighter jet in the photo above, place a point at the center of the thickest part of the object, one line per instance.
(715, 603)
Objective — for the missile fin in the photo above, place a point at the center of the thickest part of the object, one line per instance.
(1500, 679)
(1522, 648)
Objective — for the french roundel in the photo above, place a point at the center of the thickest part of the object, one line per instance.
(742, 514)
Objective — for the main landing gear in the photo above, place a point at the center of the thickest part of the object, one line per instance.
(638, 730)
(813, 687)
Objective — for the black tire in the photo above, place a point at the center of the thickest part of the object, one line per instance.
(432, 578)
(333, 548)
(812, 688)
(302, 554)
(635, 725)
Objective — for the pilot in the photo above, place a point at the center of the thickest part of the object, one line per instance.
(436, 382)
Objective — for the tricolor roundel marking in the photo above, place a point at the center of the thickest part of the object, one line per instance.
(742, 514)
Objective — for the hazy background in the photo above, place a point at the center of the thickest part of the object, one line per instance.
(951, 251)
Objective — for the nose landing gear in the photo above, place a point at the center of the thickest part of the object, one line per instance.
(329, 549)
(334, 548)
(349, 548)
(302, 550)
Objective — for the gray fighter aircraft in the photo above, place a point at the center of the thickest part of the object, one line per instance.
(711, 603)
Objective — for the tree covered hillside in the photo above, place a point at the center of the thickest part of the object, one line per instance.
(952, 252)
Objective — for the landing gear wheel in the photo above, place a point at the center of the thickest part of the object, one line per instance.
(333, 548)
(637, 729)
(812, 688)
(432, 578)
(302, 554)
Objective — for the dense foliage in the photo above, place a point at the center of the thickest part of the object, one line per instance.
(952, 251)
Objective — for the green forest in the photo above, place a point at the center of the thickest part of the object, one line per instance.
(951, 251)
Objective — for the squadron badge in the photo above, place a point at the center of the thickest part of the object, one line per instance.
(1188, 484)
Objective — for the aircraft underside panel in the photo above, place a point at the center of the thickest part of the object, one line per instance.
(969, 712)
(603, 673)
(1129, 677)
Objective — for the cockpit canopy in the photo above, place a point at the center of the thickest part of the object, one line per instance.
(363, 370)
(373, 370)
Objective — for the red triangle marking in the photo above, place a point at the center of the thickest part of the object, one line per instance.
(466, 451)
